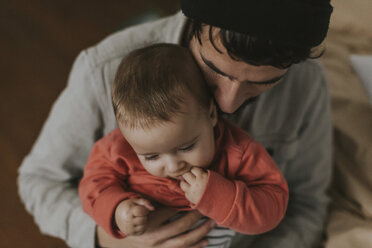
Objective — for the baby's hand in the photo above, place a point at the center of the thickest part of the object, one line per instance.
(131, 215)
(194, 184)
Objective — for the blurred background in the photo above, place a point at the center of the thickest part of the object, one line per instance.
(40, 39)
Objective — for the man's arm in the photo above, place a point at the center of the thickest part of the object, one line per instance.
(49, 175)
(308, 175)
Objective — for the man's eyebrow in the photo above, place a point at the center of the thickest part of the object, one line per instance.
(214, 68)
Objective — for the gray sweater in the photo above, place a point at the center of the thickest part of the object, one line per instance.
(292, 121)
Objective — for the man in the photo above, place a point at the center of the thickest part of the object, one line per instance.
(254, 55)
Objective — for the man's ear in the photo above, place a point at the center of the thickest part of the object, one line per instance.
(212, 113)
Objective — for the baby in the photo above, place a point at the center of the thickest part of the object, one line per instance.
(172, 149)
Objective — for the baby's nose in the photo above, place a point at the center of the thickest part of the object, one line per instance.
(173, 166)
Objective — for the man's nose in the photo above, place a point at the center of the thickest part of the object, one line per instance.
(229, 96)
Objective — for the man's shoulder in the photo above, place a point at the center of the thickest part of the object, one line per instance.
(95, 67)
(118, 44)
(309, 64)
(279, 114)
(302, 82)
(307, 73)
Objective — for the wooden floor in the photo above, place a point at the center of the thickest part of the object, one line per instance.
(38, 43)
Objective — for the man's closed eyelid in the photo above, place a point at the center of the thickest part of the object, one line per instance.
(263, 83)
(222, 75)
(214, 69)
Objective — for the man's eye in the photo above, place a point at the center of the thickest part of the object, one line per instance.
(264, 83)
(269, 83)
(221, 75)
(152, 157)
(187, 148)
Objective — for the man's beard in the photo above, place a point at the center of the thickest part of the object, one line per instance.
(247, 102)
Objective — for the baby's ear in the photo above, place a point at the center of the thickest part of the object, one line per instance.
(213, 113)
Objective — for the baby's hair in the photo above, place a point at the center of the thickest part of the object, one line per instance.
(152, 84)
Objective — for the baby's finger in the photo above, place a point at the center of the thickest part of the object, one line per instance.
(189, 177)
(138, 230)
(145, 203)
(140, 220)
(184, 186)
(197, 172)
(139, 211)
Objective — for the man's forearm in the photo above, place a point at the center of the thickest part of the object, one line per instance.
(49, 174)
(56, 209)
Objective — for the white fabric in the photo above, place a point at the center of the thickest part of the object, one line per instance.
(219, 237)
(362, 64)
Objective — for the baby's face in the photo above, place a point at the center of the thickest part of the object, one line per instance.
(172, 148)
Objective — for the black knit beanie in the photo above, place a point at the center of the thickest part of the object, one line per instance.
(303, 23)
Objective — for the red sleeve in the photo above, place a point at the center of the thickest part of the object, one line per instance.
(103, 185)
(253, 202)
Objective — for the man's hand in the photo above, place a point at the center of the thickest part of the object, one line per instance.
(131, 215)
(194, 184)
(160, 235)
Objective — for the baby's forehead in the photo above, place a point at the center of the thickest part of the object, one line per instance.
(164, 136)
(192, 106)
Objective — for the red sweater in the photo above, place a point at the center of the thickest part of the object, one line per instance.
(245, 190)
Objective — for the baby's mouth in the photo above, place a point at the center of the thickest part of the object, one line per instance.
(180, 178)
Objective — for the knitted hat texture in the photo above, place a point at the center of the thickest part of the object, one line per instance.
(300, 22)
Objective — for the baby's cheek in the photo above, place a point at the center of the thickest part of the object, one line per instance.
(203, 159)
(154, 169)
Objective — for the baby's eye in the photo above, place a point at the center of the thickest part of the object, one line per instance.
(152, 157)
(187, 148)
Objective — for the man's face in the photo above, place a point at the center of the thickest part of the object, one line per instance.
(232, 82)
